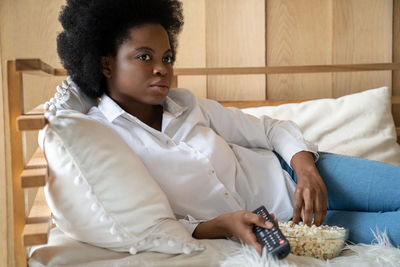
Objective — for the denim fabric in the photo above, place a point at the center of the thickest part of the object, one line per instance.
(363, 195)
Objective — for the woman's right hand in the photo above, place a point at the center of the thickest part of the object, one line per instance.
(237, 224)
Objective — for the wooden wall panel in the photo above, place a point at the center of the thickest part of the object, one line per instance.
(235, 37)
(299, 33)
(396, 58)
(362, 33)
(347, 83)
(192, 46)
(3, 184)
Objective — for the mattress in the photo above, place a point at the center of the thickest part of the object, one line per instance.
(64, 251)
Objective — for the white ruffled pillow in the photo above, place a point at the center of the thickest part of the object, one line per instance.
(359, 124)
(100, 192)
(70, 96)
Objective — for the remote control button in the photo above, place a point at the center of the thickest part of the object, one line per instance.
(271, 239)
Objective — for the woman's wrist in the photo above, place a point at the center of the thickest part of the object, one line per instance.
(303, 162)
(215, 228)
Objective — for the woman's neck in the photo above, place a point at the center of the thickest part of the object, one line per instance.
(146, 113)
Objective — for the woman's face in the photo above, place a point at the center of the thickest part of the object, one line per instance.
(141, 71)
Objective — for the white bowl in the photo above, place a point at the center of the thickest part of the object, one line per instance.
(322, 242)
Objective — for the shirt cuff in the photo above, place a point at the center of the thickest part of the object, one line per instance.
(190, 223)
(290, 150)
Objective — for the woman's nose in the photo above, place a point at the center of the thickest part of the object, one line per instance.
(160, 70)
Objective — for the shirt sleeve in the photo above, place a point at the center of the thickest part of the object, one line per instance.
(246, 130)
(190, 223)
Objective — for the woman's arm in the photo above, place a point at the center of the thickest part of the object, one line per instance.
(310, 196)
(245, 130)
(286, 139)
(237, 224)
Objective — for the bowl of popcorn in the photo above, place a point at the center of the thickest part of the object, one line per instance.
(322, 242)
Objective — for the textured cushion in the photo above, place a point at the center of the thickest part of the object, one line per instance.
(70, 96)
(358, 125)
(100, 192)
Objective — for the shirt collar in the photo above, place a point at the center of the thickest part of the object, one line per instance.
(172, 107)
(111, 110)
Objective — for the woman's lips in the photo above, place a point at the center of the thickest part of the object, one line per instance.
(160, 87)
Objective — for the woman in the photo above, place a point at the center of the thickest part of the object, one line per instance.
(213, 163)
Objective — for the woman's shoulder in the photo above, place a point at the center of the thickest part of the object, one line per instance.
(180, 93)
(95, 113)
(188, 98)
(183, 97)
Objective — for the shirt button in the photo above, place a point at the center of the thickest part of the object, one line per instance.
(211, 172)
(226, 195)
(168, 142)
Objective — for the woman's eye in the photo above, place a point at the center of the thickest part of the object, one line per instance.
(168, 59)
(145, 57)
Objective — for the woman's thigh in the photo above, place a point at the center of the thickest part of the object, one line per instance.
(364, 225)
(358, 184)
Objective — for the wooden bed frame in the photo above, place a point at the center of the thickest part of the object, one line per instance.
(34, 229)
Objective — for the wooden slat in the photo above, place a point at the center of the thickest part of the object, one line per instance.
(31, 122)
(15, 106)
(60, 72)
(37, 161)
(249, 104)
(40, 211)
(38, 223)
(33, 177)
(287, 69)
(26, 65)
(35, 234)
(37, 66)
(260, 103)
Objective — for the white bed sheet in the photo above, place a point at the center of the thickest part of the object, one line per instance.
(64, 251)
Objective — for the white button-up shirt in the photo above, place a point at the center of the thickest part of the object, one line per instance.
(211, 160)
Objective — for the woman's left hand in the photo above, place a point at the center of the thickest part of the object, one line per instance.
(310, 196)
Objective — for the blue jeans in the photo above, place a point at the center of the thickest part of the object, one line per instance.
(363, 195)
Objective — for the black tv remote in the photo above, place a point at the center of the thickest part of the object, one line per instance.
(273, 239)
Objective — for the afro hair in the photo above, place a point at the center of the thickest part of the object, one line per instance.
(96, 28)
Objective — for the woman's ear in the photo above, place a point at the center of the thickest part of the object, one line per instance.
(106, 66)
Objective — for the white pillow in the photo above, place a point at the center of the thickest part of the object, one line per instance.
(70, 96)
(100, 192)
(358, 125)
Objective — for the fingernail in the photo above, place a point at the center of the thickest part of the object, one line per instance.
(268, 224)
